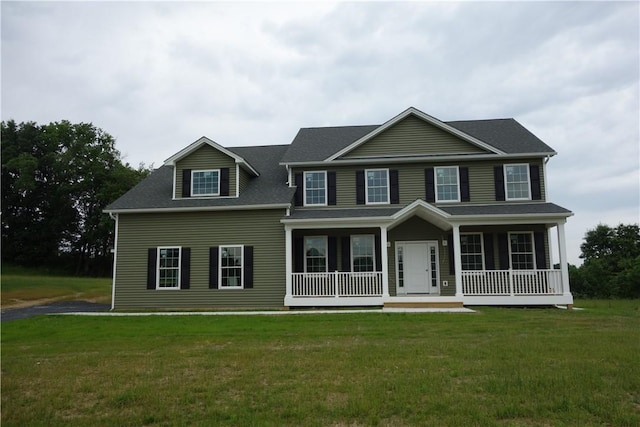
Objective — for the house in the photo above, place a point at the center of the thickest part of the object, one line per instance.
(414, 212)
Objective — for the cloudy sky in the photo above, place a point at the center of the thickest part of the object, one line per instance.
(158, 75)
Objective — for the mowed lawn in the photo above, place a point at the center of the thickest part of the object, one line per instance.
(500, 366)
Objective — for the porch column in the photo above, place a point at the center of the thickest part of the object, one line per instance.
(288, 251)
(564, 267)
(384, 253)
(457, 259)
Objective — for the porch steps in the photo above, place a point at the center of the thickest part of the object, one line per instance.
(424, 304)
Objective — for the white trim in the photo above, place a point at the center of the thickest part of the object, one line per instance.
(482, 254)
(457, 259)
(366, 187)
(304, 189)
(175, 178)
(533, 250)
(220, 286)
(288, 257)
(401, 244)
(216, 194)
(290, 176)
(201, 208)
(506, 186)
(165, 288)
(290, 301)
(384, 255)
(115, 264)
(427, 118)
(518, 300)
(326, 255)
(435, 183)
(564, 263)
(237, 180)
(373, 246)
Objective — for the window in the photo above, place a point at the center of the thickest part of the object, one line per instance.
(517, 182)
(362, 253)
(315, 254)
(231, 264)
(400, 267)
(168, 274)
(377, 183)
(315, 188)
(471, 250)
(205, 183)
(521, 248)
(447, 184)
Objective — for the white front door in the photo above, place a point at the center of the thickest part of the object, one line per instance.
(417, 268)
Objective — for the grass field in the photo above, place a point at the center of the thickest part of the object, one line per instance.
(23, 286)
(531, 367)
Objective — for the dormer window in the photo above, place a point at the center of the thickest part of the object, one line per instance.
(205, 182)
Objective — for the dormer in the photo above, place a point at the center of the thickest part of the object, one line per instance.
(205, 169)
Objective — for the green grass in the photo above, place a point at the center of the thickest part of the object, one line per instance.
(24, 286)
(532, 367)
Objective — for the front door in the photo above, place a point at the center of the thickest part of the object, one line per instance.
(417, 268)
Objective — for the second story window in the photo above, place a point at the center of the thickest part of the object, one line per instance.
(205, 182)
(315, 188)
(447, 184)
(377, 186)
(516, 181)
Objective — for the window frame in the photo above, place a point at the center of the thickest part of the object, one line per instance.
(220, 267)
(532, 253)
(366, 186)
(506, 181)
(482, 251)
(435, 183)
(159, 268)
(325, 239)
(304, 185)
(193, 172)
(373, 253)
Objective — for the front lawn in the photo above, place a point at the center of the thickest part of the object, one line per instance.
(500, 366)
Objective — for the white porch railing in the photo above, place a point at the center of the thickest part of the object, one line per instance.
(337, 284)
(512, 282)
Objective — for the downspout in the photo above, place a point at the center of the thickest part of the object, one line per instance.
(115, 217)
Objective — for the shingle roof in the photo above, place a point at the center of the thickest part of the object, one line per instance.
(512, 209)
(155, 192)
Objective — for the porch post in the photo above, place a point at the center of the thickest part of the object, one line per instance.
(457, 259)
(384, 253)
(288, 251)
(564, 267)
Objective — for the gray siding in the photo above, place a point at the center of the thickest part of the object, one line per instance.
(206, 157)
(244, 179)
(413, 136)
(199, 231)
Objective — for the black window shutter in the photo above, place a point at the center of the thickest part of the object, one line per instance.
(541, 260)
(464, 185)
(298, 198)
(452, 257)
(346, 253)
(428, 185)
(394, 190)
(333, 253)
(378, 252)
(534, 174)
(186, 182)
(503, 251)
(185, 268)
(213, 267)
(331, 188)
(498, 177)
(224, 181)
(152, 259)
(489, 262)
(360, 187)
(298, 259)
(248, 267)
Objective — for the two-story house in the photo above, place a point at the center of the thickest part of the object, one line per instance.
(412, 212)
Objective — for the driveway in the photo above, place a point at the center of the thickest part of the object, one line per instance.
(52, 308)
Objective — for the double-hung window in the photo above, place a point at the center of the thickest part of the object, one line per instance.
(471, 251)
(362, 253)
(315, 254)
(315, 188)
(447, 188)
(231, 266)
(168, 268)
(522, 251)
(517, 184)
(205, 182)
(377, 186)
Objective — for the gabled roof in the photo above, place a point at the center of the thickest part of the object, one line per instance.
(171, 161)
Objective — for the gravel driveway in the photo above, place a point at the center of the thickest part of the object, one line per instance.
(52, 308)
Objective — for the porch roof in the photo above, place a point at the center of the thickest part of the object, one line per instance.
(507, 209)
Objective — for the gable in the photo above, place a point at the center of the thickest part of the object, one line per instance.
(204, 158)
(413, 136)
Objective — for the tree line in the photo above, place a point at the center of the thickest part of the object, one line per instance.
(56, 180)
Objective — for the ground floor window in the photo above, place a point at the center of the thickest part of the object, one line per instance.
(362, 253)
(315, 254)
(471, 251)
(231, 263)
(522, 251)
(168, 273)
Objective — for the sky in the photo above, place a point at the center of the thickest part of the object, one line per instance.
(159, 75)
